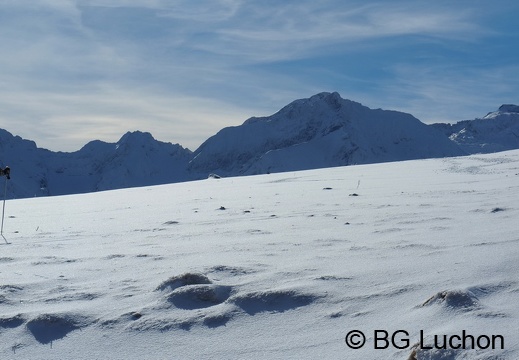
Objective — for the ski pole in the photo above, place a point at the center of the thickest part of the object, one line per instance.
(3, 212)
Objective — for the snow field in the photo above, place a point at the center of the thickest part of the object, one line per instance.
(278, 266)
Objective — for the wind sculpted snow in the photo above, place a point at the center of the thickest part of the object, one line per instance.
(279, 266)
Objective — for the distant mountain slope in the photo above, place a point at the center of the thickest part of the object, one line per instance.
(136, 160)
(497, 131)
(140, 160)
(322, 131)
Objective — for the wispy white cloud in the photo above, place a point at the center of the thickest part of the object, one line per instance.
(76, 70)
(255, 32)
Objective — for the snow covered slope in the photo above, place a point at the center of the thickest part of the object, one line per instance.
(278, 266)
(322, 131)
(497, 131)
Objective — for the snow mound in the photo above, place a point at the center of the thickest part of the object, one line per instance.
(183, 280)
(434, 354)
(272, 301)
(199, 296)
(47, 328)
(10, 322)
(455, 299)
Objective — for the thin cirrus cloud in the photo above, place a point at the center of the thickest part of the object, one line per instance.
(78, 70)
(256, 33)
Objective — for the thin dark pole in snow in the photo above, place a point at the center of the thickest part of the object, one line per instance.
(3, 212)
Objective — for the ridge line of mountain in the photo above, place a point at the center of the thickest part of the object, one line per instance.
(324, 130)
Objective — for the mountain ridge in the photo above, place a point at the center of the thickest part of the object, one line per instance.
(496, 131)
(324, 130)
(346, 132)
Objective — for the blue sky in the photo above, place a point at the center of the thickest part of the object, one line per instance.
(79, 70)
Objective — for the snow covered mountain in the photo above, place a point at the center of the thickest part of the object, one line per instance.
(136, 160)
(497, 131)
(322, 131)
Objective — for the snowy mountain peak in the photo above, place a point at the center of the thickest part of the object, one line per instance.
(138, 138)
(509, 108)
(321, 131)
(496, 131)
(333, 99)
(506, 109)
(9, 140)
(324, 100)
